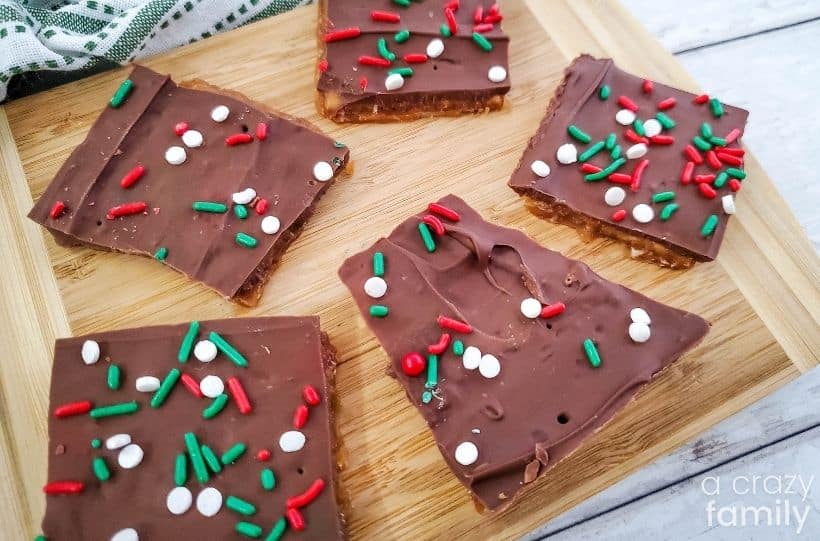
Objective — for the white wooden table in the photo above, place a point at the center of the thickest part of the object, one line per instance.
(761, 55)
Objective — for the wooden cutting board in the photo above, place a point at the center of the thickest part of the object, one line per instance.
(761, 295)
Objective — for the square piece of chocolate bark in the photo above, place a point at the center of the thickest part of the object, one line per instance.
(512, 353)
(395, 60)
(198, 178)
(214, 430)
(623, 157)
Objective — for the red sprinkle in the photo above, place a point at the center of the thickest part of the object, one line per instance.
(478, 14)
(493, 9)
(707, 191)
(620, 178)
(239, 396)
(344, 33)
(554, 309)
(483, 28)
(731, 159)
(636, 175)
(295, 519)
(307, 496)
(700, 100)
(435, 223)
(261, 206)
(300, 416)
(262, 131)
(415, 58)
(73, 408)
(385, 16)
(662, 139)
(132, 176)
(454, 325)
(64, 487)
(734, 184)
(439, 347)
(492, 18)
(363, 83)
(263, 455)
(311, 395)
(453, 4)
(238, 139)
(732, 136)
(634, 137)
(57, 210)
(618, 215)
(700, 179)
(666, 104)
(590, 168)
(413, 364)
(647, 86)
(712, 160)
(191, 384)
(693, 154)
(732, 151)
(323, 65)
(451, 20)
(444, 212)
(686, 175)
(627, 103)
(126, 209)
(180, 128)
(365, 60)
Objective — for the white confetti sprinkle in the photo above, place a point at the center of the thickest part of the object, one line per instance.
(130, 456)
(117, 441)
(466, 453)
(614, 196)
(126, 534)
(244, 197)
(643, 213)
(567, 154)
(205, 351)
(147, 384)
(375, 287)
(211, 386)
(636, 151)
(209, 502)
(192, 138)
(394, 81)
(652, 127)
(489, 367)
(179, 500)
(624, 117)
(540, 168)
(497, 74)
(90, 352)
(639, 332)
(220, 113)
(322, 171)
(435, 48)
(471, 358)
(291, 441)
(270, 225)
(476, 431)
(175, 155)
(639, 315)
(728, 202)
(531, 308)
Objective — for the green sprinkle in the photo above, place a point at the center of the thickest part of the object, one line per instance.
(210, 206)
(232, 455)
(706, 130)
(210, 459)
(458, 348)
(41, 537)
(216, 405)
(602, 174)
(123, 408)
(432, 372)
(426, 397)
(718, 141)
(404, 72)
(114, 377)
(181, 470)
(161, 253)
(278, 530)
(665, 121)
(721, 179)
(445, 30)
(578, 134)
(709, 225)
(668, 211)
(246, 528)
(243, 239)
(734, 172)
(96, 443)
(385, 53)
(240, 506)
(603, 93)
(195, 455)
(339, 144)
(378, 310)
(122, 92)
(716, 107)
(482, 42)
(402, 3)
(402, 36)
(610, 141)
(591, 151)
(427, 237)
(165, 388)
(267, 479)
(240, 211)
(188, 342)
(378, 264)
(637, 125)
(616, 153)
(592, 353)
(663, 197)
(229, 351)
(701, 143)
(100, 468)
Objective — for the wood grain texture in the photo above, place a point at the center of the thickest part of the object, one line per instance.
(399, 487)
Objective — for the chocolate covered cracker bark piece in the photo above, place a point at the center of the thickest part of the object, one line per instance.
(512, 353)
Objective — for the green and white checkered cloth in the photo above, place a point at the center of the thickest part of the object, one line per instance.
(66, 35)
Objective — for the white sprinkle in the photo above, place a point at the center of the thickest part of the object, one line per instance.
(175, 155)
(639, 332)
(192, 138)
(497, 74)
(636, 151)
(728, 204)
(531, 308)
(652, 127)
(205, 351)
(394, 81)
(435, 48)
(209, 502)
(471, 358)
(614, 196)
(270, 225)
(375, 287)
(322, 171)
(220, 113)
(211, 386)
(126, 534)
(567, 154)
(117, 441)
(476, 431)
(179, 500)
(466, 453)
(291, 441)
(643, 213)
(147, 384)
(639, 315)
(244, 197)
(90, 352)
(540, 168)
(624, 117)
(130, 456)
(489, 366)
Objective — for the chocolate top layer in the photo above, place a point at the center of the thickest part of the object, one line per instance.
(462, 67)
(577, 103)
(284, 355)
(199, 244)
(547, 397)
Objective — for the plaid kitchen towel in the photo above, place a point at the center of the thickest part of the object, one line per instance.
(42, 36)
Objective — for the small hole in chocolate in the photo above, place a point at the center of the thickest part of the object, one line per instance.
(99, 223)
(300, 471)
(549, 326)
(244, 127)
(435, 66)
(562, 418)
